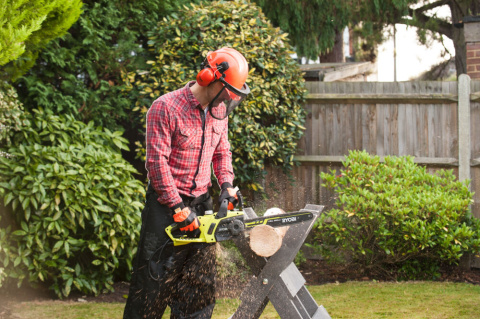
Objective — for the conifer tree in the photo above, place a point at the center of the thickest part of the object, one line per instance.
(311, 24)
(26, 26)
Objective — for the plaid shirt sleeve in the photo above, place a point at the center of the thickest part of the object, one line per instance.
(158, 141)
(222, 159)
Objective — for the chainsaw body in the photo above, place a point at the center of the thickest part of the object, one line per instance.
(216, 227)
(212, 229)
(228, 223)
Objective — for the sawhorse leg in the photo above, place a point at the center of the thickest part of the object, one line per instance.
(277, 279)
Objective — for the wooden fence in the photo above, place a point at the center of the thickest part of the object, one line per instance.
(436, 122)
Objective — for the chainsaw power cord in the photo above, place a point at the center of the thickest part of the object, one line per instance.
(168, 263)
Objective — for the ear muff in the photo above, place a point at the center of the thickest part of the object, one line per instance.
(205, 76)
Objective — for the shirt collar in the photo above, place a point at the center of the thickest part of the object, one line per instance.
(192, 100)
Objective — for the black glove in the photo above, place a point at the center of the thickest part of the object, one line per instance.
(231, 199)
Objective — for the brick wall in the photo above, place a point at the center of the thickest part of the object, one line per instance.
(472, 41)
(473, 60)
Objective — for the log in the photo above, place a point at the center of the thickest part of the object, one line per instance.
(265, 240)
(277, 211)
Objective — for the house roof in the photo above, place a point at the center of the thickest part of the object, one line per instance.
(329, 72)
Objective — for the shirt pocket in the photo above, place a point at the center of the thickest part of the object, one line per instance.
(188, 138)
(216, 134)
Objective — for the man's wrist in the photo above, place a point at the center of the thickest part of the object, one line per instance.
(226, 185)
(177, 207)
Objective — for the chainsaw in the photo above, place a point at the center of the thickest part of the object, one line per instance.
(228, 223)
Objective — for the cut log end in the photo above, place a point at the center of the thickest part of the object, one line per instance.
(265, 240)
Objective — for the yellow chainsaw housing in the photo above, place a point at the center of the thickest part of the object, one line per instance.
(208, 227)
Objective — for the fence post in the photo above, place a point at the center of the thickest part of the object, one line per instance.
(464, 127)
(464, 151)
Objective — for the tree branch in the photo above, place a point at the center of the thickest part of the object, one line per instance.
(420, 21)
(432, 5)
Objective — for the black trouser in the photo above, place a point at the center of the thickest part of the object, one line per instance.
(181, 277)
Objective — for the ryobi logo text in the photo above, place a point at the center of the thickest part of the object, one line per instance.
(289, 219)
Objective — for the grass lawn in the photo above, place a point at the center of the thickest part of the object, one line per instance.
(346, 300)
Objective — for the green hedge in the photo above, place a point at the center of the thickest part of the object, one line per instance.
(11, 112)
(395, 217)
(76, 206)
(81, 72)
(266, 127)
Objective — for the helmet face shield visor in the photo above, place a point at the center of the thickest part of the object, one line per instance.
(235, 93)
(227, 100)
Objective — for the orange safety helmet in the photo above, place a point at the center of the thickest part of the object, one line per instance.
(228, 66)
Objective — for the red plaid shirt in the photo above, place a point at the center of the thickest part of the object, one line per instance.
(180, 152)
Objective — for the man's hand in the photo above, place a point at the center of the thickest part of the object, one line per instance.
(187, 219)
(230, 194)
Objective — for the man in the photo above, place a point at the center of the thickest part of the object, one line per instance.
(187, 131)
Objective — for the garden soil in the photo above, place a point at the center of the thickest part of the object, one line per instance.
(316, 272)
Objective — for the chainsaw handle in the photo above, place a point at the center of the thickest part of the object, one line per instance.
(175, 227)
(170, 229)
(222, 212)
(224, 206)
(240, 200)
(183, 239)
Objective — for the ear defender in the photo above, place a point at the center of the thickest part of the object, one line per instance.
(205, 76)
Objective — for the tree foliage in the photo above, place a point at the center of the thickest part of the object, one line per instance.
(81, 73)
(27, 26)
(395, 217)
(266, 126)
(311, 25)
(74, 206)
(424, 15)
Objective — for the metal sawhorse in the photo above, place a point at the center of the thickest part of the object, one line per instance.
(277, 279)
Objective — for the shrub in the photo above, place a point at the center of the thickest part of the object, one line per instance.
(264, 128)
(11, 112)
(397, 218)
(80, 73)
(11, 119)
(76, 206)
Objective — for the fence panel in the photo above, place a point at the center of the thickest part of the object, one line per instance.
(475, 150)
(402, 118)
(381, 128)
